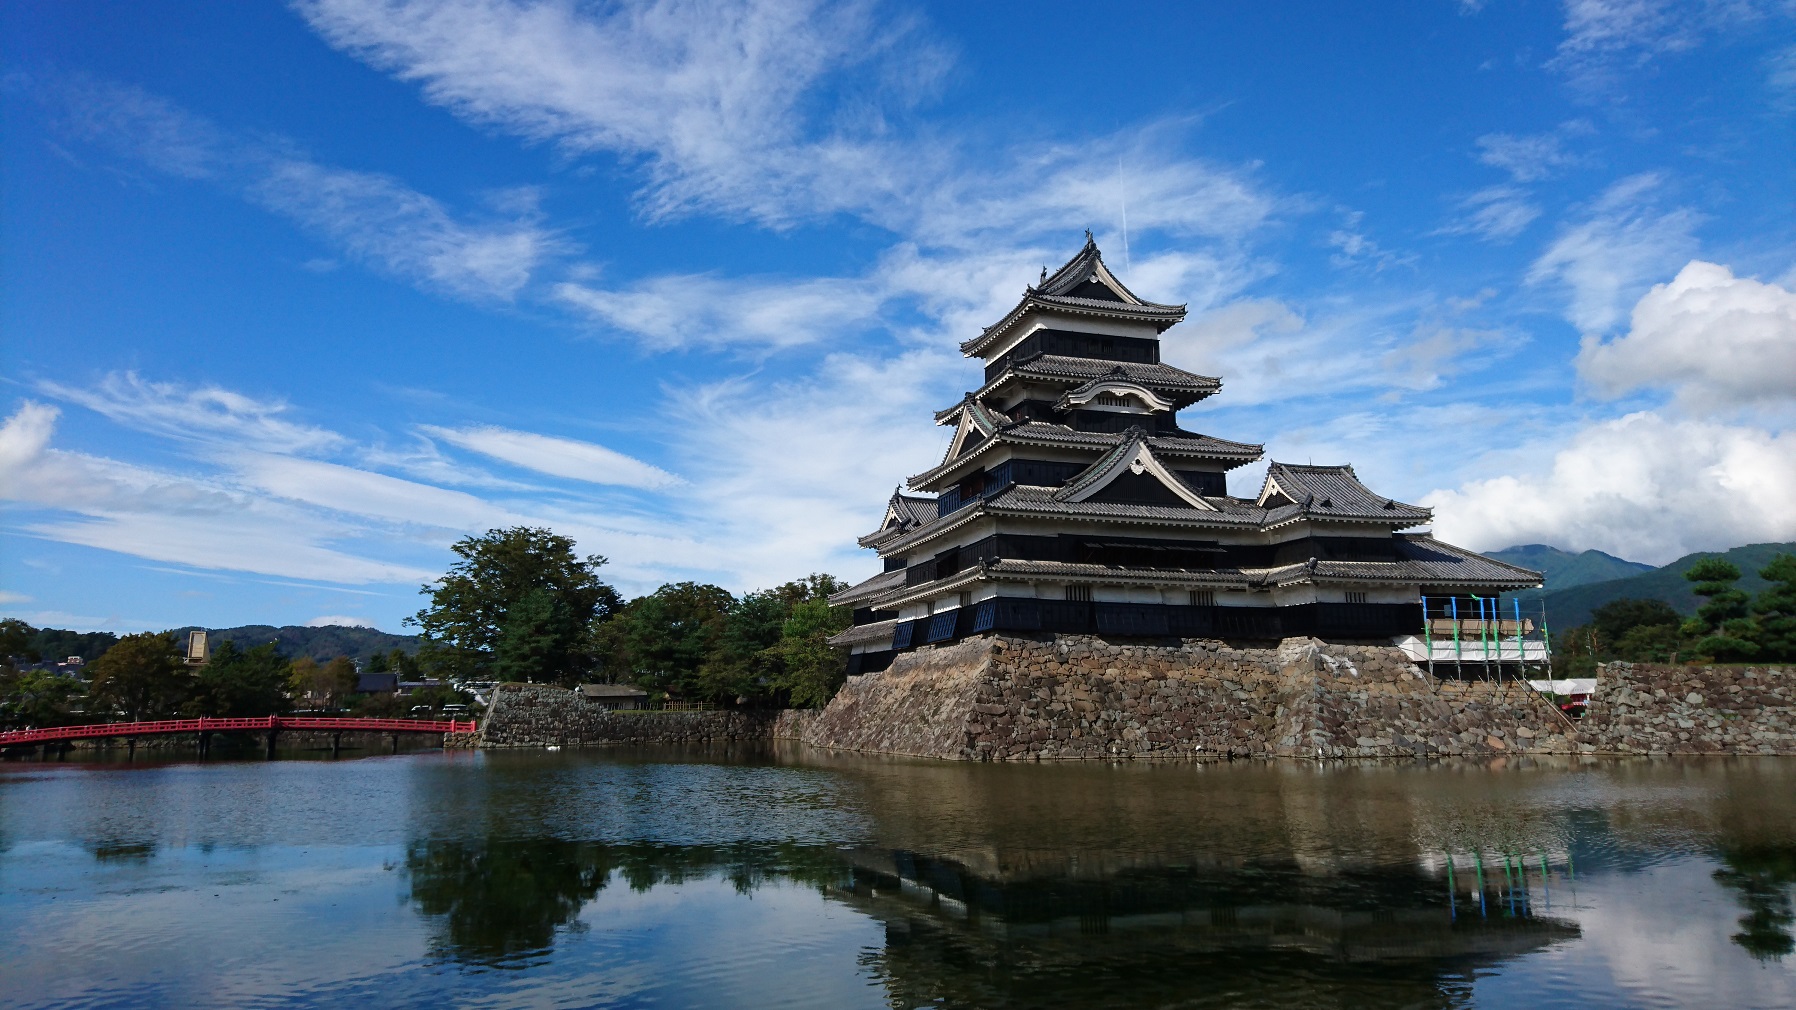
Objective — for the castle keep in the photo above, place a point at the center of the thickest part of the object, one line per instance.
(1072, 501)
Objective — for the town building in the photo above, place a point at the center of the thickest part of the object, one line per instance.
(1072, 500)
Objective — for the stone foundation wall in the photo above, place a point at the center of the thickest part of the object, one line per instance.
(542, 715)
(1078, 697)
(1643, 708)
(792, 723)
(1003, 698)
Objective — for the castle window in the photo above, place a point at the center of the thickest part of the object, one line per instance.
(1080, 593)
(1203, 597)
(1356, 597)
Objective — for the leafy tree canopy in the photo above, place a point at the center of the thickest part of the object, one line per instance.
(518, 594)
(141, 677)
(240, 682)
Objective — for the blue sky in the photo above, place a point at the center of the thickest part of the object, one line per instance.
(296, 296)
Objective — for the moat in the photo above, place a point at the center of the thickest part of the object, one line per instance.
(783, 877)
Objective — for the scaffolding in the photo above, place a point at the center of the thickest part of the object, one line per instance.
(1464, 635)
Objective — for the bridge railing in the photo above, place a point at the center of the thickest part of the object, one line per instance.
(212, 725)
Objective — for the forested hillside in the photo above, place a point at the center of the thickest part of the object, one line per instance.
(1573, 605)
(1564, 569)
(322, 644)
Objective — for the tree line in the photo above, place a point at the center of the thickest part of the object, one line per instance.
(146, 676)
(1731, 626)
(521, 605)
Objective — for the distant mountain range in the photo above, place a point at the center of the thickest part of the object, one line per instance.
(1564, 569)
(1572, 594)
(322, 644)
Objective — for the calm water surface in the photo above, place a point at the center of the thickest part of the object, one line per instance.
(645, 879)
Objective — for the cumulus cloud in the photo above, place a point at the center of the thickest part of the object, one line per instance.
(1641, 486)
(1623, 240)
(558, 457)
(1716, 339)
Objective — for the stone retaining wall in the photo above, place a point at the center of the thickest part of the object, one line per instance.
(1002, 698)
(542, 715)
(1643, 708)
(1078, 697)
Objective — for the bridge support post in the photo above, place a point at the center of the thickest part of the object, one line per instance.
(336, 744)
(205, 745)
(130, 748)
(395, 743)
(271, 735)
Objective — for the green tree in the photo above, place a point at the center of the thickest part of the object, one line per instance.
(1775, 609)
(141, 676)
(1637, 630)
(812, 669)
(378, 663)
(543, 639)
(1762, 875)
(1721, 625)
(237, 683)
(743, 664)
(472, 607)
(662, 640)
(15, 640)
(325, 686)
(37, 698)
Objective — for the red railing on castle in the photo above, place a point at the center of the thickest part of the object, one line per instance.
(263, 723)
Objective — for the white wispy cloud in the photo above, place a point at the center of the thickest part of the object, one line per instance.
(1526, 157)
(377, 220)
(675, 312)
(1606, 38)
(203, 521)
(1495, 213)
(339, 621)
(558, 457)
(195, 412)
(718, 97)
(1625, 238)
(371, 218)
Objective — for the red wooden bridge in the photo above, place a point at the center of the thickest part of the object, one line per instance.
(272, 725)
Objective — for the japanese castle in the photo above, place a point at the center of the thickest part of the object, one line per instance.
(1072, 501)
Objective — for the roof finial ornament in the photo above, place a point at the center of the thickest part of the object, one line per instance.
(1088, 239)
(1044, 274)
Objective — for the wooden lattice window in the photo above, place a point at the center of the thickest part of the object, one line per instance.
(1353, 597)
(1079, 593)
(1203, 597)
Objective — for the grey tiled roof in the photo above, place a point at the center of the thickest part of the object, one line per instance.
(1024, 500)
(1155, 376)
(1333, 492)
(1182, 444)
(867, 589)
(1189, 444)
(1053, 292)
(912, 511)
(860, 634)
(1420, 558)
